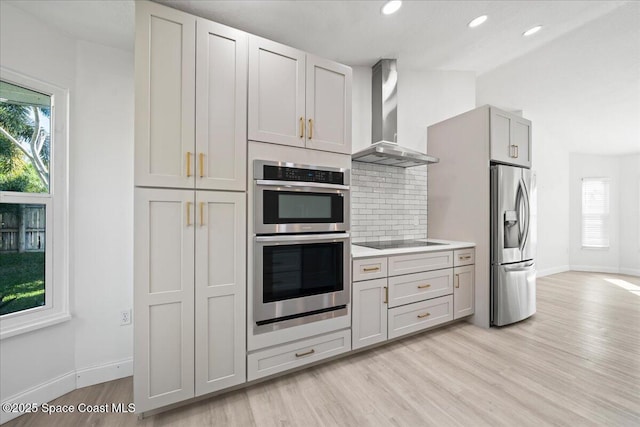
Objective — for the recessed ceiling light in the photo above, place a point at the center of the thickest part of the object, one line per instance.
(477, 21)
(533, 30)
(391, 7)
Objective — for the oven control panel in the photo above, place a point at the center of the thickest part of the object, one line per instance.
(286, 173)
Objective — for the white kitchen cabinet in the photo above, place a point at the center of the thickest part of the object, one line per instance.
(463, 291)
(165, 64)
(510, 138)
(298, 99)
(369, 309)
(189, 264)
(220, 282)
(221, 107)
(420, 315)
(190, 123)
(410, 288)
(163, 297)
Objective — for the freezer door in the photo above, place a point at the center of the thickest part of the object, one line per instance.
(513, 292)
(507, 219)
(528, 209)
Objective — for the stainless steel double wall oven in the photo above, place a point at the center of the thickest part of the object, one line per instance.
(302, 263)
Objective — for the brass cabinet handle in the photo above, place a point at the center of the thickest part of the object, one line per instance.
(422, 316)
(462, 258)
(369, 269)
(189, 214)
(457, 280)
(310, 128)
(188, 164)
(201, 214)
(516, 151)
(201, 157)
(424, 286)
(386, 295)
(306, 353)
(301, 127)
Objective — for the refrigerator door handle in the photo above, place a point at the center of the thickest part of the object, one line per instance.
(519, 267)
(519, 196)
(527, 216)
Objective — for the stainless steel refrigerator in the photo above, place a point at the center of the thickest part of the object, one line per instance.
(513, 244)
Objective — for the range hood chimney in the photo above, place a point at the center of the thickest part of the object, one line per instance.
(384, 149)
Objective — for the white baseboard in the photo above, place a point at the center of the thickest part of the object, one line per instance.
(552, 270)
(56, 387)
(595, 269)
(630, 271)
(103, 373)
(41, 393)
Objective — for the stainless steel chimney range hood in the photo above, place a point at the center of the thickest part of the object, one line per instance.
(384, 123)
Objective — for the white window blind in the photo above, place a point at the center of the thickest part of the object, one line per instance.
(595, 212)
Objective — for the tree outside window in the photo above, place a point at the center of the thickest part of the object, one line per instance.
(25, 147)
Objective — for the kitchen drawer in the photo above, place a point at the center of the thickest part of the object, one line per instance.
(282, 358)
(420, 315)
(416, 287)
(464, 257)
(416, 263)
(371, 268)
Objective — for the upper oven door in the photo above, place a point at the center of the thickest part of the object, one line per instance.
(300, 207)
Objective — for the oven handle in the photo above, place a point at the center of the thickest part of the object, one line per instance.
(303, 238)
(274, 183)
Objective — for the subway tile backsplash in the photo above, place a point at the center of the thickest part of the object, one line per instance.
(387, 202)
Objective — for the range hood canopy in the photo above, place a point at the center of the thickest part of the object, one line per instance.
(384, 123)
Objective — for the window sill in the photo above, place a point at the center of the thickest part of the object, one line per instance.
(43, 322)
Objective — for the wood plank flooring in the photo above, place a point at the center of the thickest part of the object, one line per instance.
(575, 363)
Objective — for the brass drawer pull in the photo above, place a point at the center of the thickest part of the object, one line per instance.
(306, 353)
(201, 157)
(464, 258)
(422, 316)
(424, 286)
(188, 164)
(301, 127)
(189, 214)
(370, 269)
(310, 128)
(457, 280)
(386, 295)
(201, 214)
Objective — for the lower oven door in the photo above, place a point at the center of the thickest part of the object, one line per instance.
(300, 274)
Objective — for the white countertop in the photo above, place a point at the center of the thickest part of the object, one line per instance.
(362, 252)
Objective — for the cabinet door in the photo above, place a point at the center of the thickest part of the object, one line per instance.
(369, 325)
(521, 141)
(221, 107)
(463, 292)
(510, 138)
(220, 290)
(165, 96)
(276, 93)
(328, 105)
(163, 297)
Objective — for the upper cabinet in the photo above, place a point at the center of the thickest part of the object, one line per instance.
(190, 115)
(510, 138)
(298, 99)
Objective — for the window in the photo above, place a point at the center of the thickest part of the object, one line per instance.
(595, 212)
(33, 204)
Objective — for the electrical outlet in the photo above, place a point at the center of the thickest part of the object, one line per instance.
(125, 317)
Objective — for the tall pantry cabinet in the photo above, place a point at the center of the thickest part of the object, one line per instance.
(190, 206)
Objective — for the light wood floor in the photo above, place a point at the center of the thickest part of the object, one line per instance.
(575, 363)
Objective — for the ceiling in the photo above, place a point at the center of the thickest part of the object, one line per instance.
(427, 35)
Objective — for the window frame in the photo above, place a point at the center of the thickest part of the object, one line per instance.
(56, 308)
(606, 216)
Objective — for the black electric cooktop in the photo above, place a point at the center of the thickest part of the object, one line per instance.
(397, 244)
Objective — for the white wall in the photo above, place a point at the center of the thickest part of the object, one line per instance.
(592, 166)
(102, 205)
(40, 365)
(630, 214)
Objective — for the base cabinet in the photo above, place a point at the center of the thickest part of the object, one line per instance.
(369, 321)
(402, 294)
(189, 264)
(463, 291)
